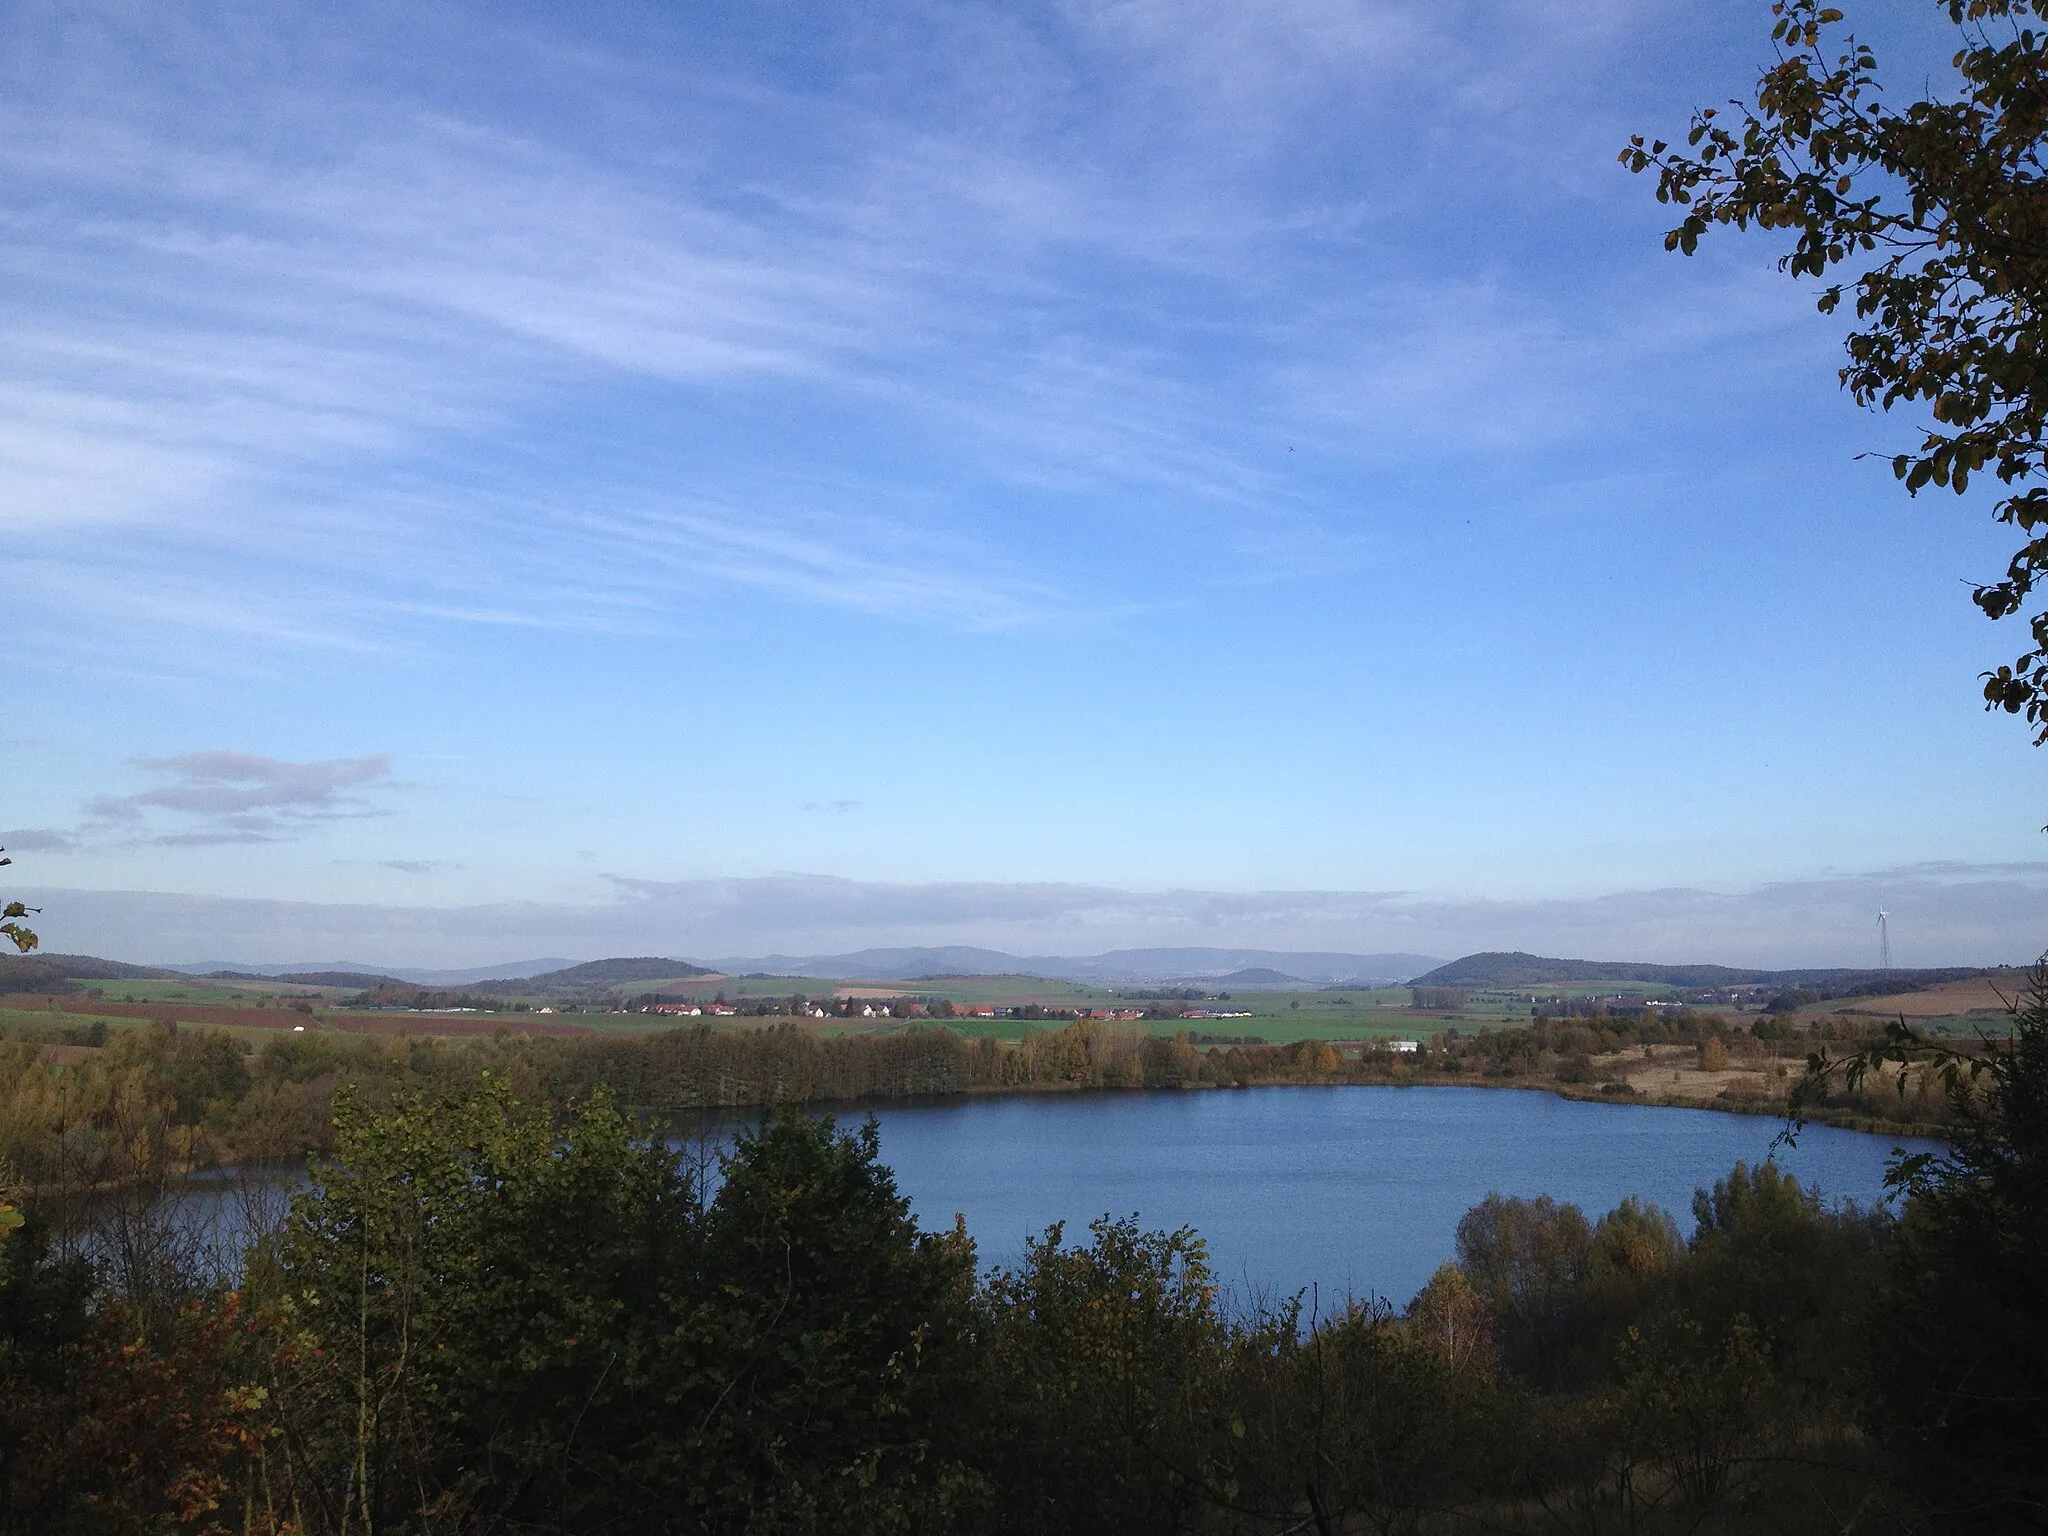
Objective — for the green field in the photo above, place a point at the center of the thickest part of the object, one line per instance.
(44, 1019)
(211, 994)
(1278, 1017)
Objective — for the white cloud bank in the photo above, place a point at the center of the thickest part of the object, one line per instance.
(1941, 914)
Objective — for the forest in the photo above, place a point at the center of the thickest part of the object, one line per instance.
(509, 1301)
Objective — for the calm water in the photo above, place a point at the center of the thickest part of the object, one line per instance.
(1348, 1189)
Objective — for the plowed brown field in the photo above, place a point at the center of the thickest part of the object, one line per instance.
(1948, 999)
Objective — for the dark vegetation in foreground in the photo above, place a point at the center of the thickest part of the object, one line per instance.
(493, 1315)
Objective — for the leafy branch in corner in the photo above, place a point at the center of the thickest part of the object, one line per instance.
(1935, 218)
(1997, 1090)
(22, 936)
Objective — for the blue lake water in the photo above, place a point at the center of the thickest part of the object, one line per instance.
(1350, 1190)
(1347, 1189)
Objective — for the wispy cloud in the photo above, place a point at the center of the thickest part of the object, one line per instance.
(38, 840)
(239, 797)
(1070, 289)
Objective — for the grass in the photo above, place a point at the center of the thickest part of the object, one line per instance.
(211, 994)
(46, 1019)
(1278, 1017)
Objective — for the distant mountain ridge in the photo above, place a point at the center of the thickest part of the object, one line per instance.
(511, 970)
(1515, 968)
(1309, 967)
(1246, 968)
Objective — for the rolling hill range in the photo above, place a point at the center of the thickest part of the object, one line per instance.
(510, 970)
(1516, 969)
(1117, 967)
(1247, 969)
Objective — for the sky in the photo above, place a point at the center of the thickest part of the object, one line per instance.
(714, 479)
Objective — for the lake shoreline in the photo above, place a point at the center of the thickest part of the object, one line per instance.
(1843, 1120)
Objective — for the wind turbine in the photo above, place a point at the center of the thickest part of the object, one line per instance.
(1884, 941)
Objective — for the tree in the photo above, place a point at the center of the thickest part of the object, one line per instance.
(1962, 1354)
(1524, 1257)
(1105, 1361)
(1934, 218)
(489, 1319)
(833, 1342)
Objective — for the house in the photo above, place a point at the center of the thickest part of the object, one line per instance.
(1404, 1047)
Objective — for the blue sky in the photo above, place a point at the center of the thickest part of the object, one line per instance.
(466, 455)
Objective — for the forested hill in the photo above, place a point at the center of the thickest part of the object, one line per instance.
(41, 973)
(1517, 969)
(611, 973)
(66, 973)
(93, 968)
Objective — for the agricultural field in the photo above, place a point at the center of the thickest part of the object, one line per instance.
(212, 993)
(90, 1028)
(1950, 1007)
(1278, 1017)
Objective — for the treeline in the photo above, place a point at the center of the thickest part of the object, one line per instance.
(82, 1107)
(22, 976)
(1570, 1051)
(489, 1317)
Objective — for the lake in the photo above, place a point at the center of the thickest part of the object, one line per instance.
(1348, 1189)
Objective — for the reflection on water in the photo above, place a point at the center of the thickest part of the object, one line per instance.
(1350, 1190)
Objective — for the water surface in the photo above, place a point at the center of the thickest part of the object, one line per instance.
(1349, 1189)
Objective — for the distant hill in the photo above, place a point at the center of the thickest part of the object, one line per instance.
(612, 973)
(366, 980)
(19, 974)
(881, 964)
(44, 972)
(1115, 968)
(1517, 969)
(363, 980)
(1256, 976)
(93, 968)
(1309, 967)
(510, 970)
